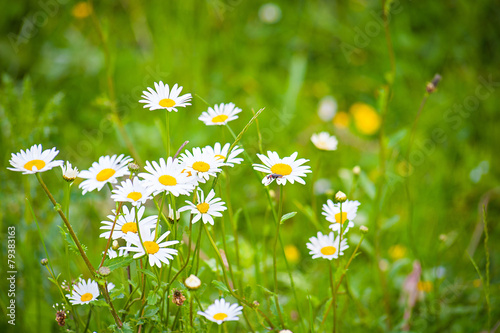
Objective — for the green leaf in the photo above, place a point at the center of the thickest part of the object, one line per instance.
(100, 302)
(248, 292)
(151, 311)
(118, 262)
(288, 216)
(148, 273)
(221, 286)
(152, 298)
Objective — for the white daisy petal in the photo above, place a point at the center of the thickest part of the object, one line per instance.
(220, 114)
(326, 246)
(222, 311)
(205, 208)
(84, 292)
(34, 160)
(282, 169)
(105, 171)
(163, 98)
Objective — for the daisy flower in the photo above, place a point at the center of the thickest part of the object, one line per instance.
(332, 213)
(206, 207)
(114, 254)
(167, 177)
(126, 222)
(157, 251)
(282, 169)
(69, 173)
(84, 292)
(34, 160)
(220, 114)
(324, 141)
(164, 98)
(201, 163)
(222, 152)
(105, 171)
(134, 191)
(326, 246)
(222, 311)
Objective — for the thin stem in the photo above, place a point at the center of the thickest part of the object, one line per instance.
(160, 212)
(167, 127)
(334, 298)
(111, 233)
(487, 252)
(275, 264)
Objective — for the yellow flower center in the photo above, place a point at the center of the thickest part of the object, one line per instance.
(203, 207)
(201, 166)
(328, 250)
(86, 297)
(134, 196)
(342, 219)
(220, 316)
(167, 103)
(220, 157)
(220, 118)
(39, 164)
(105, 174)
(129, 227)
(151, 247)
(167, 180)
(281, 169)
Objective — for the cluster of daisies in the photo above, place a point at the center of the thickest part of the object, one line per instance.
(128, 225)
(340, 215)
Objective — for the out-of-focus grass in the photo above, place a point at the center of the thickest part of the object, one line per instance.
(54, 91)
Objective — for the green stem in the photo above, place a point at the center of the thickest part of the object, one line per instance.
(118, 210)
(275, 264)
(167, 127)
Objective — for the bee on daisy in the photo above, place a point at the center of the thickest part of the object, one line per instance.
(339, 213)
(282, 169)
(222, 311)
(200, 163)
(206, 208)
(220, 114)
(324, 141)
(157, 251)
(106, 170)
(161, 97)
(221, 153)
(326, 246)
(126, 222)
(133, 191)
(167, 176)
(34, 160)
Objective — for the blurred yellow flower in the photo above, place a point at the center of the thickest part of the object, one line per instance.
(397, 251)
(292, 254)
(425, 286)
(341, 119)
(81, 10)
(366, 118)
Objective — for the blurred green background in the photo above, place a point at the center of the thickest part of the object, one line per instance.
(55, 90)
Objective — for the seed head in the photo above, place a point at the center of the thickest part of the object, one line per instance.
(178, 298)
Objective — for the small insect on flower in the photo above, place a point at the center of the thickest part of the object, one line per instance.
(34, 160)
(270, 178)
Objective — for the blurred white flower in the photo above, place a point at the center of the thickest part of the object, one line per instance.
(327, 108)
(270, 13)
(324, 141)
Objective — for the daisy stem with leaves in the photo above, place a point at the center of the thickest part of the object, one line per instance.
(79, 246)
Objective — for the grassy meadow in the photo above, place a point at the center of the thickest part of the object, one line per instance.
(418, 152)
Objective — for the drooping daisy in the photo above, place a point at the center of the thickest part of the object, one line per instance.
(164, 98)
(157, 251)
(222, 311)
(105, 171)
(206, 207)
(167, 177)
(201, 164)
(84, 292)
(331, 211)
(34, 160)
(326, 246)
(134, 191)
(69, 173)
(324, 141)
(222, 152)
(126, 222)
(282, 169)
(114, 254)
(220, 114)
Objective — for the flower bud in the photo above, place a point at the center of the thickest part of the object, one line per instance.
(356, 170)
(115, 245)
(69, 173)
(44, 262)
(192, 282)
(363, 229)
(104, 271)
(133, 167)
(340, 196)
